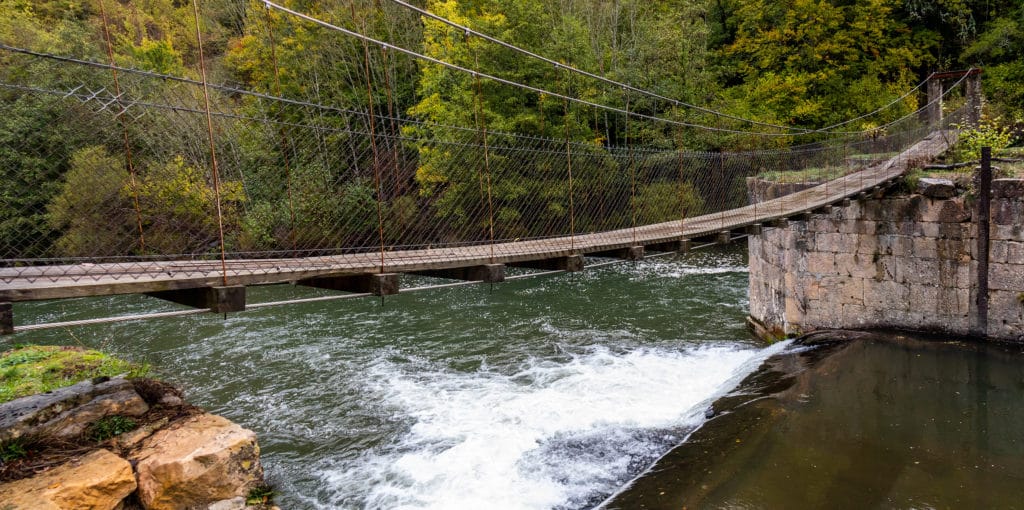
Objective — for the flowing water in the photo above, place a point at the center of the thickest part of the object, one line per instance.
(540, 393)
(879, 420)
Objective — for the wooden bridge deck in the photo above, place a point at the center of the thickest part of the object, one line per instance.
(50, 282)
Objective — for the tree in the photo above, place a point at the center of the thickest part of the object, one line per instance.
(93, 211)
(800, 59)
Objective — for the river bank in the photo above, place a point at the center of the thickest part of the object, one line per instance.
(81, 429)
(855, 420)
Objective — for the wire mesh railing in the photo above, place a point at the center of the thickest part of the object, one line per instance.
(103, 181)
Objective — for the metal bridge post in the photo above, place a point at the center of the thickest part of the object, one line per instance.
(974, 103)
(934, 101)
(980, 318)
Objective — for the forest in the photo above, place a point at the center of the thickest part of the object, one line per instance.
(319, 142)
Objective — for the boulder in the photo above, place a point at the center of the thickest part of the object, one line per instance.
(99, 481)
(74, 421)
(130, 439)
(66, 412)
(196, 462)
(936, 188)
(229, 504)
(238, 504)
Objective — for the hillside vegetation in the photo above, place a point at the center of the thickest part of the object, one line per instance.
(807, 63)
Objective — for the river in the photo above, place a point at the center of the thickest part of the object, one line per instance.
(547, 392)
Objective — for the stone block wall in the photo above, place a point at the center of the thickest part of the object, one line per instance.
(906, 262)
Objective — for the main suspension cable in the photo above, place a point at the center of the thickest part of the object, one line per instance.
(603, 79)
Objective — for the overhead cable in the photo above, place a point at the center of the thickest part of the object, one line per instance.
(603, 79)
(511, 83)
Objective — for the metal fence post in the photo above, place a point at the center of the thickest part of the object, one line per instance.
(984, 208)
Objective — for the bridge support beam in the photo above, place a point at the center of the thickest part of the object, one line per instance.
(754, 229)
(378, 284)
(723, 237)
(6, 319)
(217, 299)
(627, 253)
(486, 273)
(681, 246)
(571, 263)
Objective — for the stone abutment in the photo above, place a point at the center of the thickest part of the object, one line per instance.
(905, 262)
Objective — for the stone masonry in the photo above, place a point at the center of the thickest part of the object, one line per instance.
(905, 262)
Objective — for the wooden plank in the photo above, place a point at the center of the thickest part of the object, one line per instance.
(949, 75)
(571, 264)
(676, 246)
(378, 284)
(627, 253)
(486, 273)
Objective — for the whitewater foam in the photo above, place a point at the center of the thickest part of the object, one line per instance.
(559, 433)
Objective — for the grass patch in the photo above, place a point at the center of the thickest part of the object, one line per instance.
(35, 369)
(912, 178)
(813, 174)
(1010, 152)
(12, 450)
(1011, 170)
(873, 156)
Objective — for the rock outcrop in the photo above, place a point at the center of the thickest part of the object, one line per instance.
(99, 481)
(168, 456)
(936, 188)
(196, 462)
(67, 412)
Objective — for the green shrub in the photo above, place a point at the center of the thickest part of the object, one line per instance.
(989, 133)
(261, 495)
(111, 426)
(12, 450)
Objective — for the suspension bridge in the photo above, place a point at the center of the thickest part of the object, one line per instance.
(190, 191)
